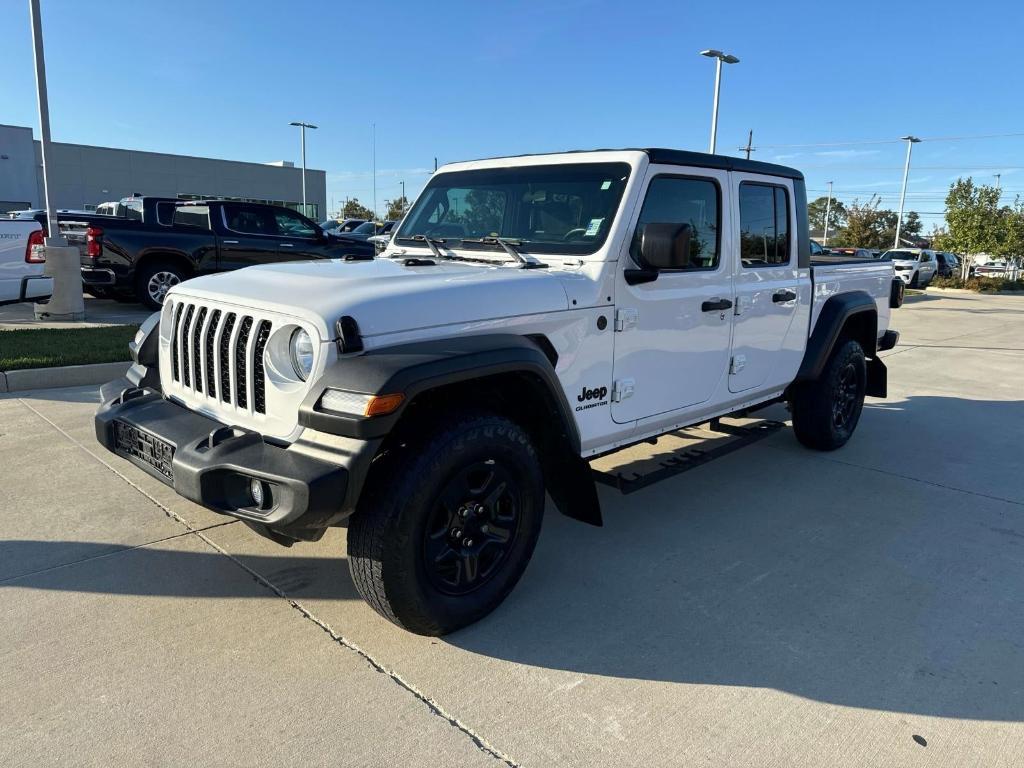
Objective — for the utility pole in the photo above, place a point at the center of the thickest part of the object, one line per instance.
(373, 159)
(720, 58)
(403, 197)
(750, 140)
(62, 261)
(911, 141)
(302, 129)
(828, 212)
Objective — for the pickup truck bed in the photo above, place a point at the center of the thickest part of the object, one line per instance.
(21, 272)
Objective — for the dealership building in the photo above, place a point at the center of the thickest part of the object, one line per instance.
(82, 176)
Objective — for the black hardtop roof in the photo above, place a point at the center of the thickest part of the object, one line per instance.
(684, 157)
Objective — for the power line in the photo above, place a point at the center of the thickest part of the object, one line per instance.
(889, 141)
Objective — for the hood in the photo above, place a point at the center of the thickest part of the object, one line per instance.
(383, 295)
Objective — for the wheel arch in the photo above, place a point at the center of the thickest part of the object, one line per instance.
(509, 374)
(851, 315)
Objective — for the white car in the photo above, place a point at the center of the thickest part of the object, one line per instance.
(914, 266)
(21, 263)
(529, 314)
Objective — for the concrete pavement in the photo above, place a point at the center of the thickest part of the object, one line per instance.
(775, 607)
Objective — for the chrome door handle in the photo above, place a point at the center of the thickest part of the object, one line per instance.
(229, 242)
(287, 245)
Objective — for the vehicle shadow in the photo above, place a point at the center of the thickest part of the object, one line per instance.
(850, 578)
(783, 568)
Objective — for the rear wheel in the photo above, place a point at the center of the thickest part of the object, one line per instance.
(154, 280)
(447, 525)
(826, 411)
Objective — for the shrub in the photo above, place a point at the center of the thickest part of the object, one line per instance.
(979, 284)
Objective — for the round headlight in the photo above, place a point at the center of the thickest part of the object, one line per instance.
(301, 350)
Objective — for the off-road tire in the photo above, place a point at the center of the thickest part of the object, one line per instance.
(149, 272)
(389, 534)
(826, 411)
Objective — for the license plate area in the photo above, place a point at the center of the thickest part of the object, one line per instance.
(149, 449)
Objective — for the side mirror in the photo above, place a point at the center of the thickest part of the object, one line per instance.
(665, 246)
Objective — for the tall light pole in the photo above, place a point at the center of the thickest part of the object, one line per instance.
(302, 129)
(911, 141)
(720, 59)
(373, 162)
(828, 212)
(403, 197)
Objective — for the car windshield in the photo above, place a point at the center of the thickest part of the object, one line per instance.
(900, 255)
(366, 228)
(543, 208)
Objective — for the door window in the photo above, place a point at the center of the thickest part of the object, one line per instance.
(764, 225)
(292, 225)
(683, 200)
(249, 221)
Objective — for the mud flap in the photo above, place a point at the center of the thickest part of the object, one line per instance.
(570, 482)
(878, 378)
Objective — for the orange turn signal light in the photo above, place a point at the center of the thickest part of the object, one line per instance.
(382, 405)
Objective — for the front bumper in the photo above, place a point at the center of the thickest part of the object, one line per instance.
(213, 464)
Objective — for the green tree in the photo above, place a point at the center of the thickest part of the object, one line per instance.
(868, 225)
(836, 214)
(912, 225)
(396, 208)
(973, 217)
(355, 210)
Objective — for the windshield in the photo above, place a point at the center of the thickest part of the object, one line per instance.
(543, 208)
(900, 255)
(366, 228)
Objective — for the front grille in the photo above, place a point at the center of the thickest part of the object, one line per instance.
(219, 355)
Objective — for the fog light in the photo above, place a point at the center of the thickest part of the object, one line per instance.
(256, 491)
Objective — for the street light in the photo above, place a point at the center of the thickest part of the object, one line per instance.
(720, 58)
(302, 127)
(911, 141)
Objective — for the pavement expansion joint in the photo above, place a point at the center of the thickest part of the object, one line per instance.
(434, 707)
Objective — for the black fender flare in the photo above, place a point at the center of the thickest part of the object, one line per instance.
(415, 368)
(834, 316)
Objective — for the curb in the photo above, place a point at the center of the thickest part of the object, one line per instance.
(61, 376)
(977, 293)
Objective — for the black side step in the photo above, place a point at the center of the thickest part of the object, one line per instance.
(684, 459)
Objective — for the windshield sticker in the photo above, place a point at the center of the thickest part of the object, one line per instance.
(593, 227)
(606, 185)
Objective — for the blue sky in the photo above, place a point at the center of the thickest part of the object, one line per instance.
(459, 80)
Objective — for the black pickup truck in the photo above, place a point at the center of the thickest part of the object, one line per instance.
(159, 242)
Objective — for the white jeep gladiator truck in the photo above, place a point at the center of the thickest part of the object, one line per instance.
(531, 313)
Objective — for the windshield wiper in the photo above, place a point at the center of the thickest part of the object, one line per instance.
(509, 246)
(432, 243)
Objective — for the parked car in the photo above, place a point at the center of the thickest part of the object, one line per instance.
(383, 236)
(855, 253)
(21, 265)
(144, 257)
(946, 264)
(914, 266)
(335, 227)
(429, 398)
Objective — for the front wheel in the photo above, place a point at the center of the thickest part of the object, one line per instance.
(826, 411)
(447, 524)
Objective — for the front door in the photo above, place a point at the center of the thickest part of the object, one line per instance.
(298, 237)
(248, 236)
(672, 333)
(767, 285)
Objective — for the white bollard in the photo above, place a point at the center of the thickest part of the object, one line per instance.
(64, 265)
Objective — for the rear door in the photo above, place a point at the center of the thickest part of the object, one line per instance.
(771, 315)
(248, 235)
(672, 339)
